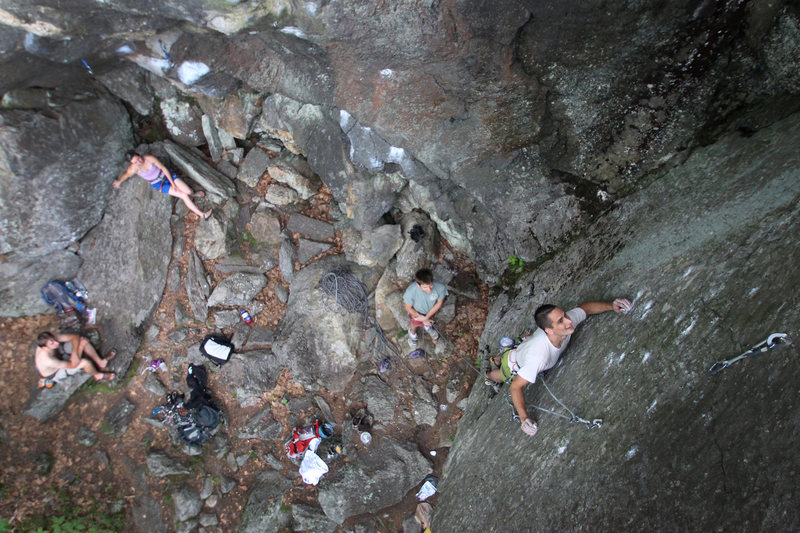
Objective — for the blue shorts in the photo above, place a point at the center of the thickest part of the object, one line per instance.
(163, 184)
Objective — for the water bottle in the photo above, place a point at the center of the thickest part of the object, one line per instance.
(246, 316)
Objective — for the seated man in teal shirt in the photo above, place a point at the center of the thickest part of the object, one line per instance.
(422, 300)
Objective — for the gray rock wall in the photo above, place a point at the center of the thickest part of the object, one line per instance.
(705, 254)
(55, 178)
(513, 124)
(125, 260)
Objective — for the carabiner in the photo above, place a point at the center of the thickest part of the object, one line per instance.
(718, 367)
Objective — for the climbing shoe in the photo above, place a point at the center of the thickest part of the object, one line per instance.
(46, 383)
(493, 385)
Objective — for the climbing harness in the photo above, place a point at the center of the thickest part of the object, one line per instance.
(595, 423)
(507, 343)
(773, 341)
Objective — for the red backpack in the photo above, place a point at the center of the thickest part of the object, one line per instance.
(297, 445)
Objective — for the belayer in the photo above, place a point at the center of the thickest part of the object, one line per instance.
(540, 351)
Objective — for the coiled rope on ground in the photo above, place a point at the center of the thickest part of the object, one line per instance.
(346, 290)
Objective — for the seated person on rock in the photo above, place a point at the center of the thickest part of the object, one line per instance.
(161, 179)
(422, 300)
(81, 353)
(540, 351)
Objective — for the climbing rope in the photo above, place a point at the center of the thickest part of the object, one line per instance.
(346, 290)
(773, 341)
(573, 418)
(595, 423)
(349, 293)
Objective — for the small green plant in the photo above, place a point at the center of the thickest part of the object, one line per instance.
(284, 508)
(3, 525)
(70, 519)
(515, 262)
(248, 238)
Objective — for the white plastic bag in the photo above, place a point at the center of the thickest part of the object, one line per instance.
(312, 468)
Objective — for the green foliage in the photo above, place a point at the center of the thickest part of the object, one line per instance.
(152, 136)
(248, 238)
(3, 525)
(70, 519)
(516, 263)
(284, 508)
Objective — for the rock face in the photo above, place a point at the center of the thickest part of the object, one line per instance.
(355, 488)
(607, 148)
(130, 248)
(705, 287)
(55, 181)
(510, 124)
(264, 512)
(318, 340)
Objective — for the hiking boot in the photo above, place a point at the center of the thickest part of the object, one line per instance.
(433, 333)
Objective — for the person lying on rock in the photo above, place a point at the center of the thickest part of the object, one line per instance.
(161, 179)
(82, 357)
(422, 300)
(540, 351)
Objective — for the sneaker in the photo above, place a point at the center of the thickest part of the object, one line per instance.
(432, 332)
(45, 383)
(412, 341)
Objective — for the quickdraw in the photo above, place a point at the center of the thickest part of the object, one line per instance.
(773, 341)
(595, 423)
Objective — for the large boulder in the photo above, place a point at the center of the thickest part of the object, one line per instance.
(125, 262)
(55, 181)
(265, 512)
(45, 403)
(381, 477)
(318, 338)
(248, 375)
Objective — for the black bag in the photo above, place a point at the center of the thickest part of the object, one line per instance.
(196, 379)
(216, 348)
(205, 420)
(204, 417)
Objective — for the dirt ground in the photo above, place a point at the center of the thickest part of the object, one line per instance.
(46, 472)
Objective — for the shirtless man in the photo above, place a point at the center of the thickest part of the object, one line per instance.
(52, 368)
